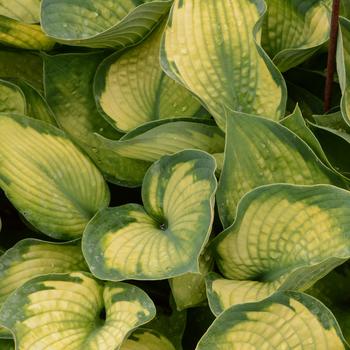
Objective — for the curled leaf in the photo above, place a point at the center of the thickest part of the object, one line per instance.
(164, 238)
(287, 320)
(61, 310)
(277, 241)
(101, 23)
(213, 48)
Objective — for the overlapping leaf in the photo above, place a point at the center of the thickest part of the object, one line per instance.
(63, 311)
(23, 35)
(164, 238)
(147, 339)
(272, 154)
(332, 290)
(189, 290)
(47, 178)
(294, 30)
(343, 66)
(132, 89)
(213, 49)
(101, 23)
(30, 258)
(12, 99)
(151, 141)
(22, 65)
(18, 96)
(27, 11)
(73, 103)
(287, 320)
(333, 133)
(284, 237)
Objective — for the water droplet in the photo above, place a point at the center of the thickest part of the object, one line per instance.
(96, 14)
(184, 109)
(94, 149)
(65, 25)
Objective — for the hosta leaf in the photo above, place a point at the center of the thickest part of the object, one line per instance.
(332, 122)
(212, 48)
(284, 236)
(30, 258)
(155, 139)
(334, 135)
(168, 321)
(132, 89)
(332, 290)
(222, 293)
(164, 238)
(189, 290)
(73, 103)
(272, 154)
(12, 99)
(343, 66)
(64, 311)
(22, 35)
(287, 320)
(345, 8)
(22, 10)
(47, 178)
(101, 23)
(294, 30)
(296, 123)
(147, 339)
(23, 65)
(36, 105)
(18, 96)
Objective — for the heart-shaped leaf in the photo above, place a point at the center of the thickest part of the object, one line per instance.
(131, 88)
(164, 238)
(278, 242)
(47, 178)
(287, 320)
(147, 339)
(294, 30)
(30, 258)
(22, 10)
(343, 66)
(212, 47)
(272, 154)
(23, 35)
(57, 311)
(101, 23)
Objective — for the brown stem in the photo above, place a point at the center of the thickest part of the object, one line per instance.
(331, 55)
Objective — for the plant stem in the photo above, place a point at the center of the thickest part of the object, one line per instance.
(331, 55)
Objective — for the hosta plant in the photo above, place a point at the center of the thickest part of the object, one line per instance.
(171, 177)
